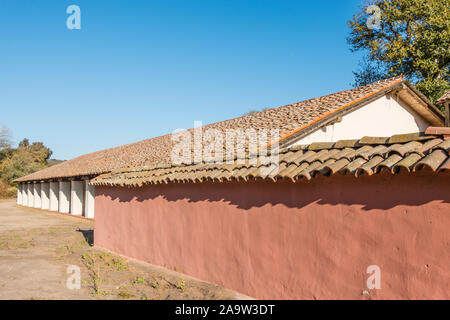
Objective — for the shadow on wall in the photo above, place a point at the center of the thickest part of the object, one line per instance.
(383, 191)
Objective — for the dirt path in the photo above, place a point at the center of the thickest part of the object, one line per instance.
(37, 247)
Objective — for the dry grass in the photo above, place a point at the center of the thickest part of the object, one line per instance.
(6, 191)
(12, 240)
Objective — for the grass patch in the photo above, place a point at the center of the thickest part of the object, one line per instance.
(181, 285)
(99, 263)
(139, 280)
(125, 295)
(12, 240)
(156, 285)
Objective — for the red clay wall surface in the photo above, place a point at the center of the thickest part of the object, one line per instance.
(308, 240)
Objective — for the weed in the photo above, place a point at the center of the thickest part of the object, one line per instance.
(125, 295)
(96, 281)
(139, 281)
(70, 249)
(156, 285)
(88, 259)
(15, 242)
(181, 285)
(113, 261)
(118, 264)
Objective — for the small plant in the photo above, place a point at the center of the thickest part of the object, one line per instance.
(96, 281)
(125, 295)
(69, 248)
(12, 241)
(88, 259)
(102, 293)
(119, 264)
(144, 297)
(181, 285)
(155, 285)
(139, 281)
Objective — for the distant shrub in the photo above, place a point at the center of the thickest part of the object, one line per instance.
(6, 191)
(26, 159)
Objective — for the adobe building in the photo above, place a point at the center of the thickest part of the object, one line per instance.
(362, 180)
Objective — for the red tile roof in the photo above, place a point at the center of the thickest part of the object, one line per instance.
(366, 156)
(288, 119)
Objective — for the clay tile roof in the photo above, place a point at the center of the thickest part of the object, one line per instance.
(367, 156)
(288, 119)
(444, 98)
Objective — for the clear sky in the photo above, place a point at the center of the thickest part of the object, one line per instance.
(138, 69)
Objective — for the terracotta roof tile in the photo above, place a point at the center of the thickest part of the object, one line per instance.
(296, 164)
(157, 151)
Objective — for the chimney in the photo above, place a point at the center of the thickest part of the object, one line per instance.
(445, 101)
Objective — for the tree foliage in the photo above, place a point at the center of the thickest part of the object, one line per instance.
(413, 39)
(26, 159)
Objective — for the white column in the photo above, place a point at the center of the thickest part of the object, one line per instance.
(89, 200)
(54, 196)
(64, 197)
(24, 194)
(37, 194)
(45, 196)
(77, 198)
(19, 194)
(30, 192)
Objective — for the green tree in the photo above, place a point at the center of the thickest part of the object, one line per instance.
(412, 37)
(26, 159)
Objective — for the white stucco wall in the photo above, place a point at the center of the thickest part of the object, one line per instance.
(24, 194)
(30, 192)
(89, 200)
(54, 196)
(37, 195)
(45, 196)
(383, 117)
(19, 194)
(64, 197)
(77, 198)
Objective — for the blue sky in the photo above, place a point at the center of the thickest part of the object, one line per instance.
(139, 69)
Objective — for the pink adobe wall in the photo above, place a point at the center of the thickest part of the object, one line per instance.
(308, 240)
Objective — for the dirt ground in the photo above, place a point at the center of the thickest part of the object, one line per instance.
(37, 247)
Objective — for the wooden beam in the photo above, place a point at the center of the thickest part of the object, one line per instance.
(447, 114)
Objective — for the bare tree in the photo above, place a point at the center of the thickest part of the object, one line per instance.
(5, 138)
